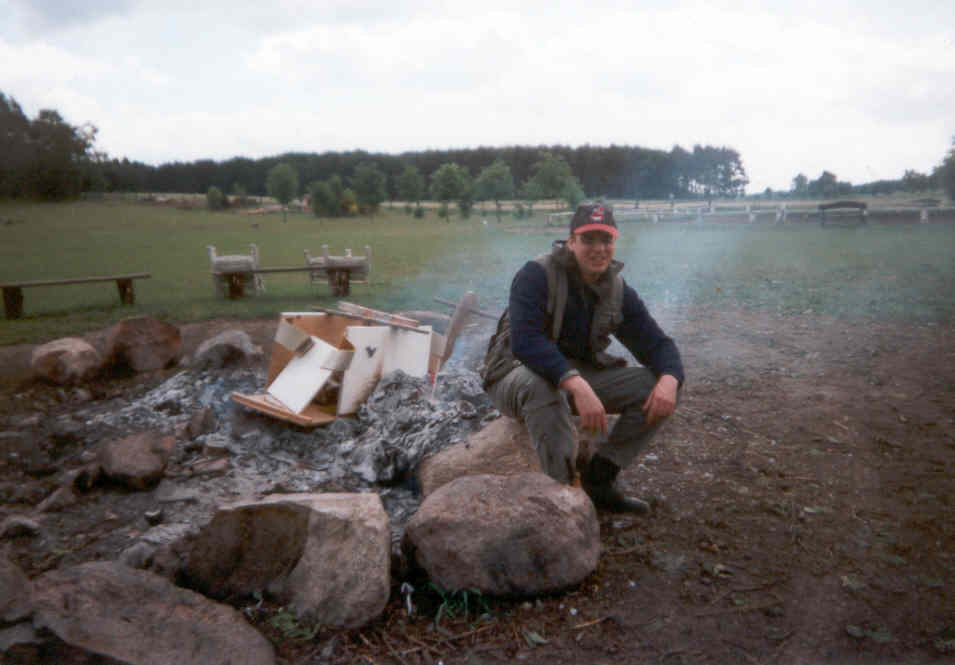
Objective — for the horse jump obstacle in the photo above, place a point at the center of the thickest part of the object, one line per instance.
(339, 271)
(230, 269)
(859, 206)
(232, 277)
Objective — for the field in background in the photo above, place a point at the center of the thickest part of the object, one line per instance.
(880, 270)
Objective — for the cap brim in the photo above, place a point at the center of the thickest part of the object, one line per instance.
(612, 230)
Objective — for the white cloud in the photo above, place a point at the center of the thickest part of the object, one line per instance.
(793, 87)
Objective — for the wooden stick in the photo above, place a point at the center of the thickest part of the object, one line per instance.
(590, 623)
(367, 319)
(473, 310)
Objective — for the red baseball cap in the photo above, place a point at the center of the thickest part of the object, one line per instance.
(594, 217)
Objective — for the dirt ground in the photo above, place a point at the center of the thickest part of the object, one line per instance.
(803, 513)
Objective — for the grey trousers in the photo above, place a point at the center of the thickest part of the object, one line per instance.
(547, 413)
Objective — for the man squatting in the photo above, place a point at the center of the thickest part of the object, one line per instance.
(547, 360)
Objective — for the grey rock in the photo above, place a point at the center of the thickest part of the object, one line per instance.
(143, 344)
(230, 347)
(138, 617)
(15, 526)
(502, 448)
(138, 555)
(21, 633)
(137, 461)
(325, 555)
(65, 361)
(503, 535)
(16, 592)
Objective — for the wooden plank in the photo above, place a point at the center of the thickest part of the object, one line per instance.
(313, 415)
(373, 321)
(361, 310)
(81, 280)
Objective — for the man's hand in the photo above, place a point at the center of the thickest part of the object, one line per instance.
(662, 399)
(593, 416)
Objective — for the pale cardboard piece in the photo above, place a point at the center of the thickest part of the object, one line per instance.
(417, 353)
(305, 374)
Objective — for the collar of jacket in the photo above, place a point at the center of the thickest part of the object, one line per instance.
(565, 258)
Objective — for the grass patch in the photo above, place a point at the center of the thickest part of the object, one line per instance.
(871, 272)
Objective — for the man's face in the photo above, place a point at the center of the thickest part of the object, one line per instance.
(593, 251)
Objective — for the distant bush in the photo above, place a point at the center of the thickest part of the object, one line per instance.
(239, 194)
(519, 211)
(215, 199)
(349, 202)
(465, 206)
(419, 211)
(443, 211)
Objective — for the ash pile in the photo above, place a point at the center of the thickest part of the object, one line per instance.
(226, 452)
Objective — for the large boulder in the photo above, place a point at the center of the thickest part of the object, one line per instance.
(502, 448)
(327, 556)
(133, 616)
(522, 534)
(16, 592)
(231, 347)
(64, 361)
(143, 344)
(137, 461)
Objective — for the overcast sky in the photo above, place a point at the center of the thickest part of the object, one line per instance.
(863, 89)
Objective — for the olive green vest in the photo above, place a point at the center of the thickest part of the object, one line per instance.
(608, 314)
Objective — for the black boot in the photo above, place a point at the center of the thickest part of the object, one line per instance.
(598, 479)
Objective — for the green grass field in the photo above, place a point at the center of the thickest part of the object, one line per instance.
(876, 271)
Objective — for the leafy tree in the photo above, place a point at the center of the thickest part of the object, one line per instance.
(551, 175)
(944, 173)
(349, 205)
(572, 193)
(282, 185)
(449, 183)
(825, 186)
(718, 171)
(495, 183)
(530, 193)
(369, 186)
(322, 200)
(45, 158)
(215, 199)
(913, 181)
(337, 188)
(800, 186)
(411, 185)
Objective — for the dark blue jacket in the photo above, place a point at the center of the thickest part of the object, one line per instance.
(529, 335)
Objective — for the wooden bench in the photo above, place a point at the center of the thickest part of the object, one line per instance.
(854, 220)
(13, 291)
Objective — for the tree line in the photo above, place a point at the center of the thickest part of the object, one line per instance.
(616, 171)
(47, 158)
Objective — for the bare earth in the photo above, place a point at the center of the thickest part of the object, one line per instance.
(804, 512)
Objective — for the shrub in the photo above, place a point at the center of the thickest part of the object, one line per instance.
(349, 202)
(519, 211)
(215, 199)
(419, 211)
